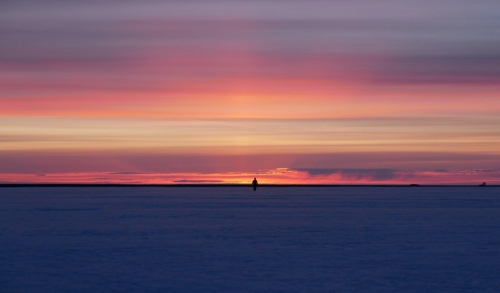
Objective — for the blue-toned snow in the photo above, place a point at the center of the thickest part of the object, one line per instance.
(232, 239)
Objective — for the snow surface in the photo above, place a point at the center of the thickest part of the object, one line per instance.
(232, 239)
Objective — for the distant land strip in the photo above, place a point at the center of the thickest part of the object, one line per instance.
(9, 185)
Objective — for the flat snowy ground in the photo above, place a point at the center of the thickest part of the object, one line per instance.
(232, 239)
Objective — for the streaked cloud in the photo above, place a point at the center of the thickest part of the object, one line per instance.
(340, 91)
(252, 135)
(167, 45)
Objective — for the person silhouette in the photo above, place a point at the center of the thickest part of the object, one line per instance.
(255, 183)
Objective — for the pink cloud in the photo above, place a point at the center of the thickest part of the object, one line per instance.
(275, 176)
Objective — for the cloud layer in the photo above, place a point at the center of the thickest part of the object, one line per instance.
(347, 91)
(156, 45)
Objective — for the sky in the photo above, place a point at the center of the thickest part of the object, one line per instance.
(327, 92)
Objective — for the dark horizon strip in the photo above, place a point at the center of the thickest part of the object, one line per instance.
(15, 185)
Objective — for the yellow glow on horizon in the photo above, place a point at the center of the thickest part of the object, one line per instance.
(474, 134)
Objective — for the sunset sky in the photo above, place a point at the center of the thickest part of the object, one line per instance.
(329, 92)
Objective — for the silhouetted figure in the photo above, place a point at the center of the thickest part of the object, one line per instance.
(484, 184)
(255, 183)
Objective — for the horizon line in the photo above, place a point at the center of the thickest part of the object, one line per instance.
(8, 185)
